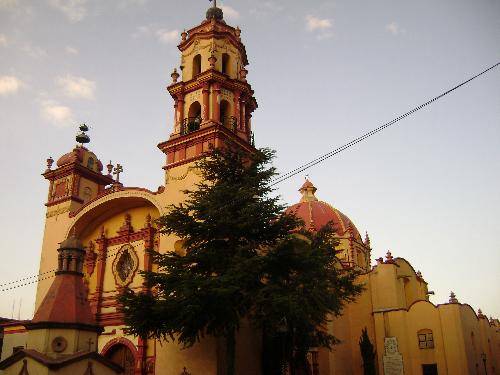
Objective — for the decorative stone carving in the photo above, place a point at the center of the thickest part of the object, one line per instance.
(90, 259)
(59, 344)
(393, 360)
(125, 265)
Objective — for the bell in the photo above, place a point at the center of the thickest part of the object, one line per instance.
(82, 138)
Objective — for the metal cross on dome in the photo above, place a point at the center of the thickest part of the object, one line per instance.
(117, 171)
(215, 3)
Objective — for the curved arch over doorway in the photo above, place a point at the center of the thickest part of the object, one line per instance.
(122, 352)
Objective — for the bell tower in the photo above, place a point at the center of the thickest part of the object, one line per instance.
(213, 100)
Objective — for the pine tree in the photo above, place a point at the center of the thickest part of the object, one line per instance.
(225, 223)
(243, 259)
(305, 287)
(367, 353)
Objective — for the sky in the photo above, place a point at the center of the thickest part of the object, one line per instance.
(324, 72)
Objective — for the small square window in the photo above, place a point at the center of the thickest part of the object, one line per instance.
(425, 340)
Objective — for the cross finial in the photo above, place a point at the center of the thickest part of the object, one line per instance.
(215, 3)
(117, 171)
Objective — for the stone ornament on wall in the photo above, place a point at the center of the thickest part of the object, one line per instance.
(170, 177)
(393, 360)
(59, 344)
(125, 265)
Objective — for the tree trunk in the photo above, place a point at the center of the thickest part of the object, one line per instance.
(230, 352)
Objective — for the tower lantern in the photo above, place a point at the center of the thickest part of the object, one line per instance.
(213, 101)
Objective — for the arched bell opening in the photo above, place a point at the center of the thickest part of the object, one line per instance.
(193, 121)
(196, 65)
(225, 115)
(226, 64)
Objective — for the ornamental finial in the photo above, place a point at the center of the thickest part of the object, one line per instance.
(453, 298)
(82, 136)
(367, 239)
(175, 76)
(215, 13)
(50, 161)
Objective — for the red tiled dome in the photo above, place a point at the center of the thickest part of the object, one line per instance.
(317, 214)
(81, 155)
(76, 155)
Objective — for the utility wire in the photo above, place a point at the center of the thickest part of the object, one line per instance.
(301, 168)
(39, 278)
(355, 141)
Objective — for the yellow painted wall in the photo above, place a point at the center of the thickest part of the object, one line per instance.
(14, 336)
(76, 368)
(204, 48)
(41, 341)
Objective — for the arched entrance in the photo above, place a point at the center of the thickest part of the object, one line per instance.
(122, 356)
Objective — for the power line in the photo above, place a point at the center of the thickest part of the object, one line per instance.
(40, 278)
(355, 141)
(26, 278)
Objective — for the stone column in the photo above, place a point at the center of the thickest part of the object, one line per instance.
(179, 113)
(102, 249)
(206, 103)
(216, 102)
(243, 116)
(236, 108)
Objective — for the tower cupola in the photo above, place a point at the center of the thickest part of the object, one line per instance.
(78, 176)
(213, 101)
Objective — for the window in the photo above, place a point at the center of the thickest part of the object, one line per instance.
(90, 163)
(425, 339)
(125, 266)
(196, 65)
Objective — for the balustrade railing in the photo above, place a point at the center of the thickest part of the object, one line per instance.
(230, 122)
(192, 124)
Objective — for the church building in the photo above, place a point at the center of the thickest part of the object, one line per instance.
(98, 231)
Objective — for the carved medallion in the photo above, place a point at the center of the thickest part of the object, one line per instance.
(125, 265)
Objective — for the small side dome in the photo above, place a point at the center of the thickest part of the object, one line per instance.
(76, 155)
(82, 156)
(317, 214)
(72, 243)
